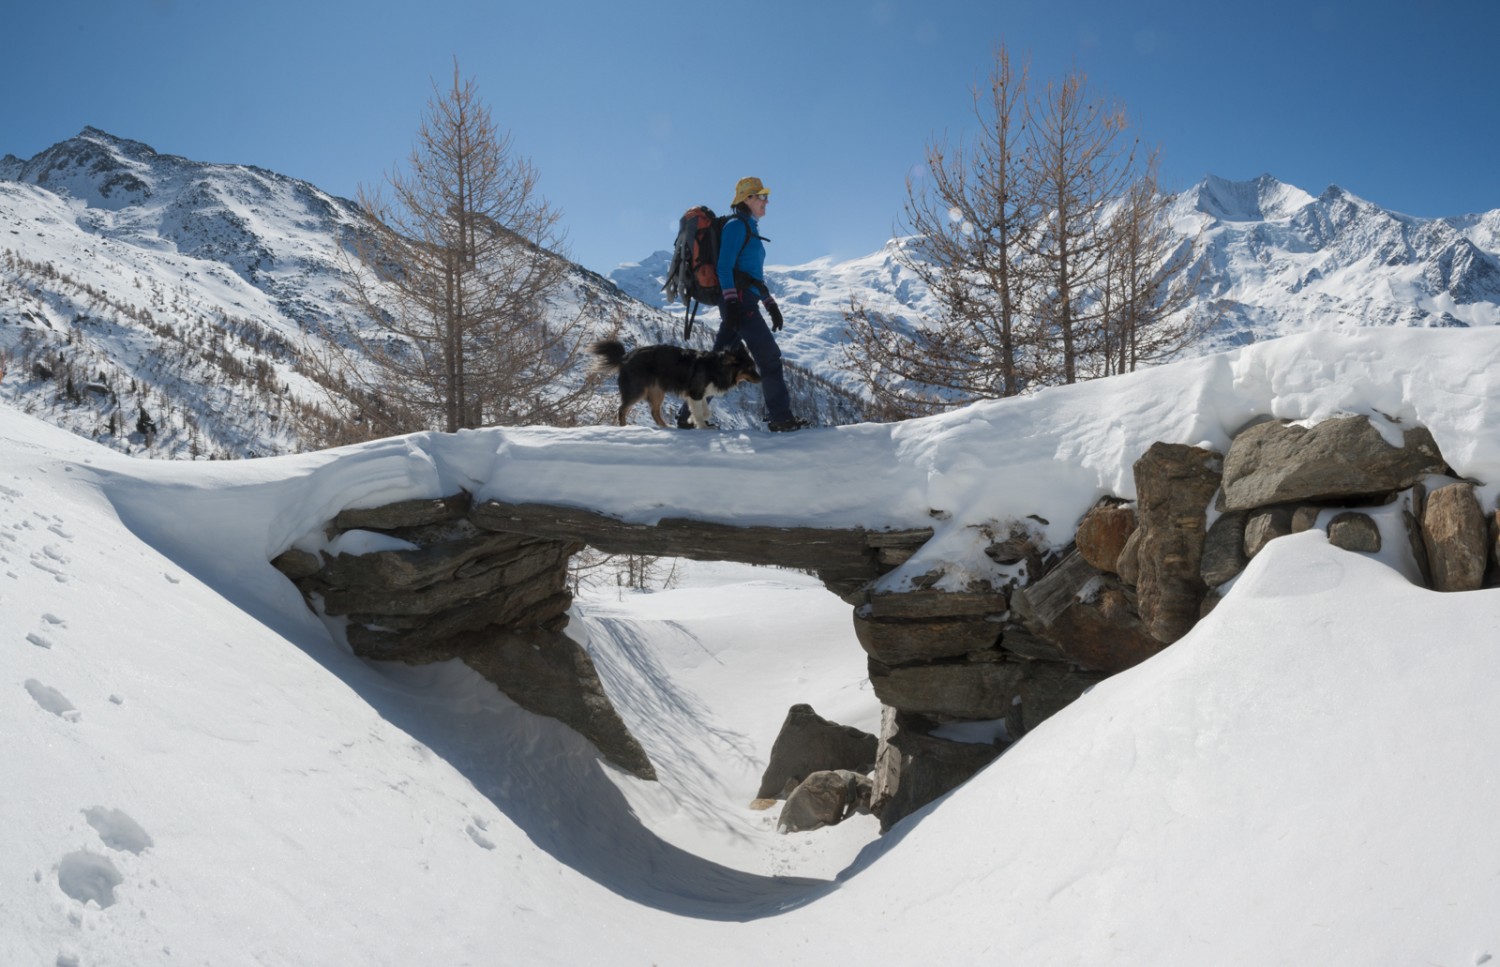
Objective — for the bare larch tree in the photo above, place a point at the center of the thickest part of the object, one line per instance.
(1045, 246)
(966, 219)
(1079, 168)
(454, 278)
(1147, 285)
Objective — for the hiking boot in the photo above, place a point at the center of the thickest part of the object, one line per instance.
(787, 426)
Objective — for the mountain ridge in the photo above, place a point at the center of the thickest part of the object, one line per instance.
(192, 290)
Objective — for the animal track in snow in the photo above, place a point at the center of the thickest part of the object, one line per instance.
(52, 560)
(478, 837)
(86, 876)
(59, 530)
(52, 700)
(118, 830)
(41, 640)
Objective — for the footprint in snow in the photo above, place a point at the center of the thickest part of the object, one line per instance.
(60, 531)
(52, 560)
(41, 641)
(53, 619)
(478, 837)
(118, 830)
(86, 876)
(52, 700)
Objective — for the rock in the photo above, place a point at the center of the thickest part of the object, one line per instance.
(894, 548)
(1128, 567)
(1023, 693)
(437, 562)
(1015, 639)
(809, 743)
(1415, 542)
(1305, 518)
(1174, 484)
(297, 564)
(1016, 546)
(915, 768)
(1047, 689)
(1224, 549)
(930, 603)
(899, 641)
(1278, 463)
(1456, 537)
(480, 578)
(825, 799)
(406, 513)
(955, 689)
(550, 674)
(925, 624)
(1492, 576)
(426, 638)
(1354, 531)
(1087, 615)
(1102, 535)
(1264, 526)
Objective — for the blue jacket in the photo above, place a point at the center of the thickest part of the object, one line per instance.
(749, 260)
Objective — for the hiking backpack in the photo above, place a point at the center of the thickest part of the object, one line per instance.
(693, 275)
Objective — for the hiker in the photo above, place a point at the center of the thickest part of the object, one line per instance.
(741, 268)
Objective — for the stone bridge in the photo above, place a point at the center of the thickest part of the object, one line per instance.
(486, 582)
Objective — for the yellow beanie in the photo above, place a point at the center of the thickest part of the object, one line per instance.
(747, 187)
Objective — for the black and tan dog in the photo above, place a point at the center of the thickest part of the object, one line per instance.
(651, 372)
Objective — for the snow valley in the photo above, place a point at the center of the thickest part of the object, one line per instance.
(201, 772)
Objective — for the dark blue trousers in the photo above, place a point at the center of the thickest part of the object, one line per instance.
(756, 334)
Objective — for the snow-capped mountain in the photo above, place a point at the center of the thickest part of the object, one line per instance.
(1270, 258)
(813, 296)
(138, 283)
(1275, 260)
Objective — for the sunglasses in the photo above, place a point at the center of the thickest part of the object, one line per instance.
(761, 197)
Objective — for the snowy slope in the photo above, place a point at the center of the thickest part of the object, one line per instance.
(200, 772)
(196, 291)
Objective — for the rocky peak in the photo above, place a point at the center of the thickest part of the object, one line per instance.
(96, 167)
(1259, 199)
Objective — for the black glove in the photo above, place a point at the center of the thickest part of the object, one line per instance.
(775, 312)
(731, 309)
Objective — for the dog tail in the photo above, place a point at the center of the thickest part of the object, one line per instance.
(611, 353)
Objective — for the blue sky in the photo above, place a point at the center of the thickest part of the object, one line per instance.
(633, 111)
